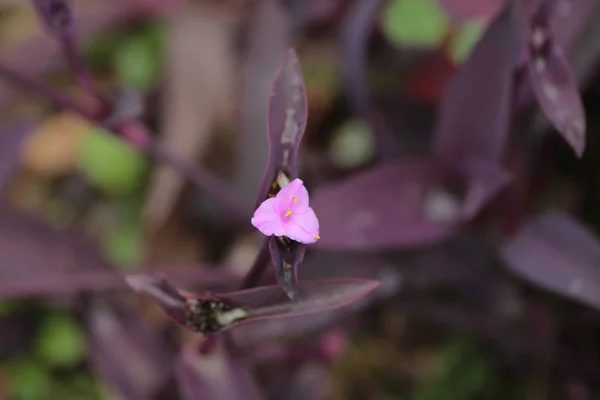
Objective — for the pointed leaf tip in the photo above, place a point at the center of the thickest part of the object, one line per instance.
(163, 292)
(287, 113)
(552, 78)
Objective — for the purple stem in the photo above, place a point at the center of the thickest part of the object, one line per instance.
(77, 65)
(16, 79)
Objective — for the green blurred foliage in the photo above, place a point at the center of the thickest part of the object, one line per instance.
(353, 144)
(123, 244)
(463, 372)
(7, 307)
(61, 341)
(138, 61)
(414, 23)
(31, 380)
(134, 57)
(28, 380)
(112, 165)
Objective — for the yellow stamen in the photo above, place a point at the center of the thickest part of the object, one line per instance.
(288, 212)
(317, 237)
(296, 200)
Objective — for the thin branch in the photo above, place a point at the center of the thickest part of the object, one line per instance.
(19, 81)
(76, 64)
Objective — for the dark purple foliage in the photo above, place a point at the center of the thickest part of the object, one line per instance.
(551, 77)
(286, 122)
(30, 246)
(217, 312)
(403, 239)
(557, 253)
(220, 375)
(125, 352)
(475, 114)
(402, 204)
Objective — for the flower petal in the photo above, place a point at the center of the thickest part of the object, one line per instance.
(266, 218)
(303, 228)
(295, 197)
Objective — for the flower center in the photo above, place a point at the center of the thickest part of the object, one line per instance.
(288, 212)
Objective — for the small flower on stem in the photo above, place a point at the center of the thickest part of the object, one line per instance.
(288, 214)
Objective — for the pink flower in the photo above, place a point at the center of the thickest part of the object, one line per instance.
(288, 214)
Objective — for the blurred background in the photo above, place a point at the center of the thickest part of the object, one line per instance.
(448, 322)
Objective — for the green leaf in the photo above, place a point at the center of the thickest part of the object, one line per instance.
(7, 307)
(98, 51)
(464, 372)
(111, 164)
(61, 341)
(123, 245)
(138, 63)
(353, 144)
(466, 38)
(28, 381)
(414, 23)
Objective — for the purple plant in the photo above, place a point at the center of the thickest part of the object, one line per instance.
(352, 250)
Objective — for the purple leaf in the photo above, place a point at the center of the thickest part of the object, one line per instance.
(552, 80)
(57, 16)
(217, 312)
(403, 204)
(125, 352)
(287, 116)
(475, 112)
(214, 376)
(162, 291)
(11, 142)
(318, 266)
(486, 181)
(559, 254)
(70, 282)
(29, 245)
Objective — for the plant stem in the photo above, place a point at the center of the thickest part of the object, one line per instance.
(17, 80)
(76, 64)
